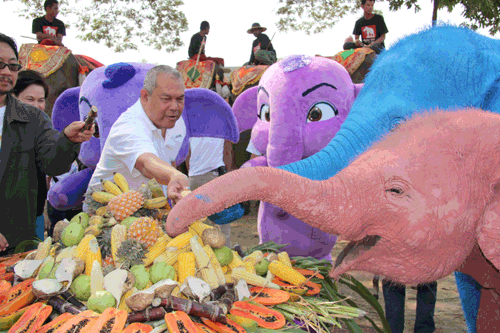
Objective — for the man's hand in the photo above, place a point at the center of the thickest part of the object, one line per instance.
(72, 132)
(3, 243)
(358, 42)
(178, 183)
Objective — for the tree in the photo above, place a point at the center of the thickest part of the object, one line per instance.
(119, 23)
(317, 15)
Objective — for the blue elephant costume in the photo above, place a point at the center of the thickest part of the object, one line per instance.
(442, 67)
(115, 88)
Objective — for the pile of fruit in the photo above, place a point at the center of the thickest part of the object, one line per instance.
(114, 269)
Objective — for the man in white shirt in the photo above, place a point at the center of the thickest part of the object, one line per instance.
(145, 140)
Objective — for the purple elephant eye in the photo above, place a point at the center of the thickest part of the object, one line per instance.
(265, 113)
(321, 111)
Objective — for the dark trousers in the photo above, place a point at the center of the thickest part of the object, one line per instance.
(375, 47)
(394, 297)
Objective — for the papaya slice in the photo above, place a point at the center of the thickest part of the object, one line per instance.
(204, 328)
(4, 285)
(16, 297)
(53, 325)
(268, 296)
(265, 317)
(80, 323)
(8, 320)
(137, 328)
(179, 322)
(7, 276)
(309, 273)
(110, 321)
(312, 288)
(230, 327)
(32, 319)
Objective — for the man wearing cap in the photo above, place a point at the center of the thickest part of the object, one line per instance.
(263, 52)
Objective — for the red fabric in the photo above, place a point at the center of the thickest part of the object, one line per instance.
(47, 42)
(218, 61)
(92, 61)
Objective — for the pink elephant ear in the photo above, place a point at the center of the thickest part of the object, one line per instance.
(245, 109)
(489, 231)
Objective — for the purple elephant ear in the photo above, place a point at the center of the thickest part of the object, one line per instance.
(118, 74)
(245, 109)
(294, 62)
(65, 110)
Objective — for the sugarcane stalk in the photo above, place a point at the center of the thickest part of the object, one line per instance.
(61, 306)
(71, 298)
(89, 120)
(150, 314)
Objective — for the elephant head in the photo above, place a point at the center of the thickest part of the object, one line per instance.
(413, 206)
(442, 67)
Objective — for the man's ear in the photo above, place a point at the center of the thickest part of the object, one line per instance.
(144, 95)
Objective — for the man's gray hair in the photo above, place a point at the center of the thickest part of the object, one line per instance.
(152, 74)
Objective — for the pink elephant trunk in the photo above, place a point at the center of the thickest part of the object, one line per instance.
(308, 200)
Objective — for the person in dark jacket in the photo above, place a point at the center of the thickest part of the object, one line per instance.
(263, 52)
(28, 145)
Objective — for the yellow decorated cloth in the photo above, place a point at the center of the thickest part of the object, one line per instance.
(352, 59)
(246, 76)
(197, 76)
(45, 59)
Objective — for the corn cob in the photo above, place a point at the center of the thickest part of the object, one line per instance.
(93, 230)
(256, 256)
(180, 241)
(194, 233)
(284, 259)
(123, 305)
(229, 278)
(96, 278)
(43, 249)
(187, 266)
(93, 254)
(253, 279)
(269, 276)
(170, 255)
(155, 203)
(203, 262)
(286, 273)
(237, 261)
(121, 182)
(250, 266)
(102, 197)
(82, 247)
(157, 249)
(66, 253)
(224, 269)
(215, 264)
(199, 227)
(110, 187)
(118, 235)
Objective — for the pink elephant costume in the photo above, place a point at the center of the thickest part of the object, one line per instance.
(301, 103)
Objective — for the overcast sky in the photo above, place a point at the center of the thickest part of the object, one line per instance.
(229, 20)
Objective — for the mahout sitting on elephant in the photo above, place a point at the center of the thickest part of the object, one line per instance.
(303, 102)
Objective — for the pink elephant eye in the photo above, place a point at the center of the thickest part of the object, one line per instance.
(321, 111)
(265, 113)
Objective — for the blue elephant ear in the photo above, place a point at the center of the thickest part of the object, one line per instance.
(118, 74)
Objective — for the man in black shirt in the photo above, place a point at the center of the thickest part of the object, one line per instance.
(263, 52)
(48, 29)
(198, 40)
(371, 27)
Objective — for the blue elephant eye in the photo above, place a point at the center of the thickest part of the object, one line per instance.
(265, 113)
(321, 111)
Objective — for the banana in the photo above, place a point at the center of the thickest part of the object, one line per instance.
(66, 253)
(97, 220)
(155, 188)
(103, 211)
(155, 203)
(110, 187)
(102, 197)
(93, 230)
(121, 182)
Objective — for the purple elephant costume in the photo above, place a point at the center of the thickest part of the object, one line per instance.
(301, 103)
(115, 88)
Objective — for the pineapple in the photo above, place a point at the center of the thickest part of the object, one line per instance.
(131, 252)
(104, 241)
(126, 204)
(92, 205)
(145, 230)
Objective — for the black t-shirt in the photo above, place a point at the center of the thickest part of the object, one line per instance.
(195, 44)
(261, 43)
(370, 30)
(53, 28)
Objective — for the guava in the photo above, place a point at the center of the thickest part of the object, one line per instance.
(72, 234)
(81, 218)
(161, 271)
(127, 222)
(261, 267)
(224, 255)
(100, 301)
(141, 276)
(81, 287)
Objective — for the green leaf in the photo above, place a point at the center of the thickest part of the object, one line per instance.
(21, 247)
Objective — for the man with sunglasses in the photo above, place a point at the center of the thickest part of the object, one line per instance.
(28, 144)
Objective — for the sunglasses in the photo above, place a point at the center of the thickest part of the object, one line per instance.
(12, 67)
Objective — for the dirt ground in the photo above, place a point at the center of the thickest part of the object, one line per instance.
(448, 314)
